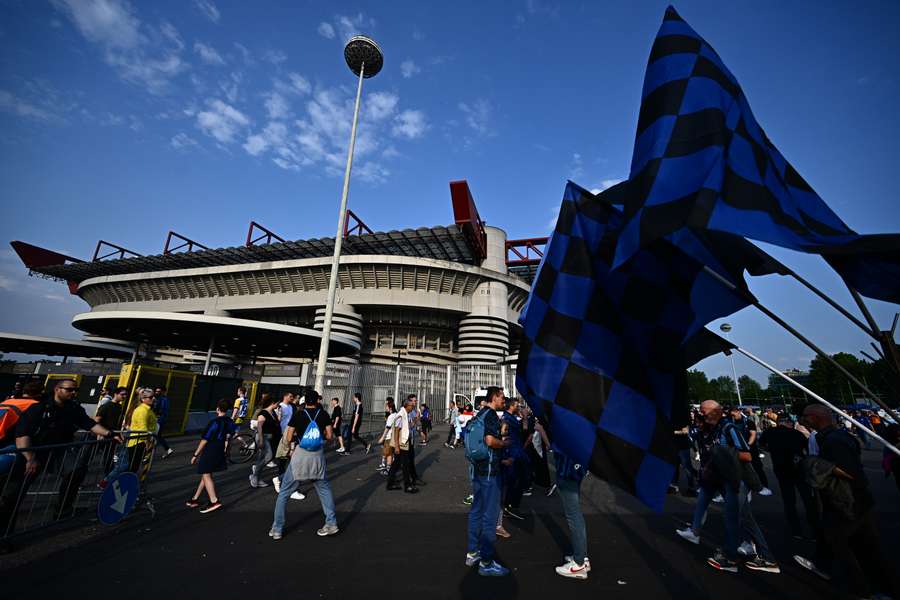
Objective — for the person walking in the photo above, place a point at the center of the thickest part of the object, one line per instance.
(787, 447)
(414, 424)
(425, 421)
(402, 442)
(268, 434)
(850, 531)
(285, 411)
(105, 397)
(211, 456)
(387, 449)
(109, 415)
(161, 408)
(747, 428)
(337, 421)
(19, 424)
(356, 424)
(722, 450)
(241, 408)
(141, 425)
(307, 464)
(483, 446)
(569, 476)
(452, 414)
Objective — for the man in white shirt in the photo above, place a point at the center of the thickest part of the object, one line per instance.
(401, 442)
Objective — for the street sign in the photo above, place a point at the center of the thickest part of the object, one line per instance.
(118, 499)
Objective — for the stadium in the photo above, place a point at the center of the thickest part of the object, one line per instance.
(437, 300)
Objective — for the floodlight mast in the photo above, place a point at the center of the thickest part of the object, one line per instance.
(365, 59)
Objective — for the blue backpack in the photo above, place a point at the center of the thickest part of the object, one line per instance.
(476, 449)
(312, 437)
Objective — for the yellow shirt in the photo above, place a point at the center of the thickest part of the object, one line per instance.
(142, 419)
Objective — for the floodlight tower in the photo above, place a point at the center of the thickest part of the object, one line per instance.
(726, 327)
(365, 59)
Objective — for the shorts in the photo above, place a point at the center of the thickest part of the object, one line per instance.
(387, 449)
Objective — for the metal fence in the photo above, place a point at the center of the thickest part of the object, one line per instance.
(68, 480)
(434, 385)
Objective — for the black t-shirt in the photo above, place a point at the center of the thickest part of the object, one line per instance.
(357, 416)
(110, 415)
(786, 445)
(271, 426)
(27, 425)
(61, 422)
(300, 419)
(336, 416)
(751, 426)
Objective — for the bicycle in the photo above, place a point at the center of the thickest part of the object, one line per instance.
(242, 448)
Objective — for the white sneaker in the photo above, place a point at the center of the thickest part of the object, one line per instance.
(327, 530)
(297, 496)
(271, 464)
(765, 492)
(472, 558)
(719, 499)
(587, 562)
(277, 483)
(747, 549)
(688, 534)
(168, 453)
(573, 570)
(811, 566)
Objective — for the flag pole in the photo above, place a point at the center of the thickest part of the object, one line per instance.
(871, 330)
(763, 363)
(752, 300)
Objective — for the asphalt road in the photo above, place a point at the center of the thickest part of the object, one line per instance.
(393, 542)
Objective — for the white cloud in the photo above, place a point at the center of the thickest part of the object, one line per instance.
(13, 104)
(576, 169)
(276, 106)
(380, 105)
(221, 121)
(141, 54)
(274, 135)
(208, 54)
(605, 184)
(408, 68)
(276, 57)
(6, 283)
(326, 30)
(231, 86)
(208, 9)
(348, 26)
(182, 141)
(410, 124)
(371, 172)
(54, 297)
(478, 116)
(300, 83)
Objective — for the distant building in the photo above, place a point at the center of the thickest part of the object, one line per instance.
(781, 389)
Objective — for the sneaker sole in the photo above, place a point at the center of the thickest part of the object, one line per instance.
(471, 562)
(719, 567)
(696, 542)
(764, 569)
(492, 573)
(326, 534)
(573, 575)
(211, 509)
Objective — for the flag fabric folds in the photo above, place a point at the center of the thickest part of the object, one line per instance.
(601, 351)
(702, 161)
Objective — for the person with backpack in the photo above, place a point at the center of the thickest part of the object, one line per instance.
(211, 456)
(307, 464)
(268, 434)
(483, 451)
(241, 407)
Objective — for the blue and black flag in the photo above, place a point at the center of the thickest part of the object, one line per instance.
(702, 161)
(603, 350)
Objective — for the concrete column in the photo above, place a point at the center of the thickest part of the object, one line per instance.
(345, 321)
(484, 332)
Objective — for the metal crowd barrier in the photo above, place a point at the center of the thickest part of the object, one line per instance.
(70, 479)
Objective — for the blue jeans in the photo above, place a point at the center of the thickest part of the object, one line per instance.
(687, 465)
(732, 516)
(749, 527)
(704, 497)
(570, 494)
(289, 485)
(483, 515)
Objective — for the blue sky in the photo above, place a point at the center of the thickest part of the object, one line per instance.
(122, 120)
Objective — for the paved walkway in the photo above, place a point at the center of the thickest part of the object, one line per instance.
(394, 541)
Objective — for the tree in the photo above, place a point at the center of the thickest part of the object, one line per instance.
(827, 381)
(751, 390)
(698, 386)
(722, 390)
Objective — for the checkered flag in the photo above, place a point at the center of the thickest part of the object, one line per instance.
(702, 161)
(603, 349)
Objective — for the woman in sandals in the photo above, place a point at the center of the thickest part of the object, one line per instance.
(211, 456)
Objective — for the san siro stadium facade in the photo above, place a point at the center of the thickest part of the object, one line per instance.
(446, 295)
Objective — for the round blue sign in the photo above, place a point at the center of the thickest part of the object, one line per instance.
(118, 499)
